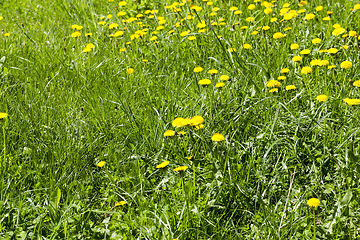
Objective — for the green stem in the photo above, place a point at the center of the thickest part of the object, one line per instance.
(314, 236)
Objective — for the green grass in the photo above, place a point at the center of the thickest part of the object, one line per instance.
(69, 110)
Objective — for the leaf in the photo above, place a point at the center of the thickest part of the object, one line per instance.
(55, 198)
(2, 60)
(346, 199)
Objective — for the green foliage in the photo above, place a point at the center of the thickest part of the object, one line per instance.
(69, 110)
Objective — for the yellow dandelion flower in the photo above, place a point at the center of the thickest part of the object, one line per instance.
(122, 3)
(319, 8)
(76, 34)
(101, 164)
(273, 84)
(121, 203)
(268, 11)
(322, 98)
(346, 65)
(246, 46)
(204, 82)
(338, 31)
(305, 51)
(313, 202)
(163, 164)
(130, 70)
(332, 50)
(251, 7)
(3, 115)
(198, 69)
(297, 59)
(356, 83)
(309, 16)
(273, 90)
(274, 19)
(8, 34)
(113, 25)
(281, 78)
(290, 87)
(218, 137)
(169, 133)
(352, 101)
(213, 71)
(196, 120)
(192, 38)
(87, 49)
(219, 85)
(352, 33)
(232, 49)
(181, 168)
(316, 41)
(224, 77)
(285, 70)
(306, 70)
(278, 35)
(294, 46)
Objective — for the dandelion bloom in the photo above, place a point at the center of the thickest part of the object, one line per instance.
(247, 46)
(179, 122)
(316, 41)
(306, 70)
(315, 62)
(331, 66)
(120, 203)
(322, 98)
(250, 19)
(273, 90)
(192, 38)
(130, 70)
(196, 120)
(101, 164)
(290, 87)
(232, 49)
(356, 83)
(213, 71)
(309, 16)
(217, 137)
(198, 69)
(219, 85)
(326, 18)
(122, 3)
(251, 7)
(163, 164)
(357, 7)
(224, 77)
(281, 78)
(87, 49)
(233, 9)
(332, 50)
(319, 8)
(113, 25)
(3, 115)
(8, 34)
(294, 46)
(268, 11)
(265, 28)
(273, 84)
(169, 133)
(352, 33)
(352, 101)
(338, 31)
(198, 127)
(102, 23)
(204, 82)
(313, 202)
(305, 51)
(181, 168)
(297, 58)
(285, 70)
(74, 34)
(274, 19)
(346, 65)
(278, 35)
(88, 35)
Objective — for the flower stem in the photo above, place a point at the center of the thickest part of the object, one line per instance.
(314, 236)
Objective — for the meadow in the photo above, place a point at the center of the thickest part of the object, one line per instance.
(179, 120)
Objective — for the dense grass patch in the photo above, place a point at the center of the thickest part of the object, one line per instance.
(254, 104)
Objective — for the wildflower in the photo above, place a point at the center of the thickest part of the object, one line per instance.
(232, 49)
(251, 7)
(309, 16)
(163, 164)
(192, 38)
(121, 203)
(313, 202)
(130, 70)
(250, 19)
(224, 77)
(88, 35)
(169, 133)
(306, 70)
(294, 46)
(254, 33)
(217, 137)
(326, 19)
(86, 49)
(357, 7)
(332, 50)
(238, 12)
(278, 35)
(3, 115)
(352, 33)
(356, 83)
(213, 71)
(196, 120)
(281, 78)
(8, 34)
(287, 29)
(305, 51)
(273, 90)
(183, 34)
(204, 82)
(322, 98)
(233, 9)
(247, 46)
(297, 59)
(265, 28)
(113, 25)
(319, 8)
(181, 168)
(274, 19)
(219, 85)
(331, 66)
(198, 127)
(102, 23)
(346, 65)
(198, 69)
(290, 87)
(352, 101)
(273, 84)
(153, 38)
(122, 49)
(122, 3)
(76, 34)
(315, 62)
(285, 70)
(268, 11)
(316, 41)
(324, 63)
(179, 122)
(101, 164)
(336, 26)
(338, 31)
